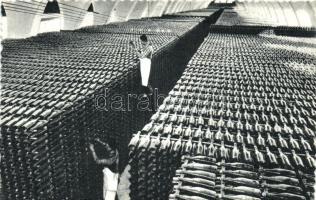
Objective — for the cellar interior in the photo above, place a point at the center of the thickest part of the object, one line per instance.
(231, 115)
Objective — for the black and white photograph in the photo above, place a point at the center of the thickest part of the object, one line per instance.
(158, 100)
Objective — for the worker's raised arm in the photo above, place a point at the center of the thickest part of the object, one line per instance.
(137, 51)
(108, 161)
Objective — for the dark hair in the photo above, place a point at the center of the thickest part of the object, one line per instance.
(101, 150)
(143, 38)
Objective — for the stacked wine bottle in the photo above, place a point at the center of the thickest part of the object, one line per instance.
(201, 178)
(52, 87)
(242, 99)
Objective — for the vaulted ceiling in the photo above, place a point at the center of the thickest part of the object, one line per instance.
(23, 18)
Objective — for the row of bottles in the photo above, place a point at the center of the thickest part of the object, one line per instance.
(201, 177)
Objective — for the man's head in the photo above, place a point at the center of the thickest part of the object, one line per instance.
(105, 150)
(144, 39)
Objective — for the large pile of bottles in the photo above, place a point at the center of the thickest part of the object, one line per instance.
(50, 106)
(242, 100)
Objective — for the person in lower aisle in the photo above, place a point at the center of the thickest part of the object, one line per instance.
(108, 158)
(144, 54)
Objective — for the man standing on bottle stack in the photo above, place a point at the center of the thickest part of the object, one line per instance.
(144, 54)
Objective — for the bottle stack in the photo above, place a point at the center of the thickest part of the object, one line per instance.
(235, 21)
(241, 100)
(54, 92)
(201, 177)
(196, 179)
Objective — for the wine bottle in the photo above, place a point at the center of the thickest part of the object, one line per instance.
(198, 133)
(212, 150)
(294, 143)
(285, 160)
(200, 166)
(250, 139)
(271, 141)
(148, 127)
(243, 173)
(199, 191)
(200, 147)
(178, 130)
(187, 197)
(283, 142)
(235, 152)
(239, 137)
(230, 123)
(188, 146)
(271, 156)
(221, 122)
(281, 179)
(238, 197)
(305, 144)
(173, 118)
(223, 152)
(165, 144)
(246, 115)
(298, 130)
(248, 126)
(244, 181)
(279, 171)
(244, 190)
(211, 122)
(287, 129)
(309, 131)
(192, 120)
(209, 134)
(198, 181)
(201, 121)
(218, 134)
(177, 145)
(238, 114)
(247, 154)
(239, 125)
(188, 131)
(260, 140)
(283, 188)
(167, 129)
(239, 165)
(310, 160)
(259, 155)
(258, 127)
(229, 137)
(264, 118)
(198, 174)
(298, 161)
(155, 116)
(135, 139)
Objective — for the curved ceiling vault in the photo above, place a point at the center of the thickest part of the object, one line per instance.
(23, 18)
(279, 13)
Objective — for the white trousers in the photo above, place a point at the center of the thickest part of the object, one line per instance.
(145, 66)
(110, 183)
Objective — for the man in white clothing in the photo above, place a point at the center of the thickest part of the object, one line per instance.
(144, 54)
(109, 162)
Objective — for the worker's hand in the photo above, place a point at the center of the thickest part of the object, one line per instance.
(91, 146)
(97, 140)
